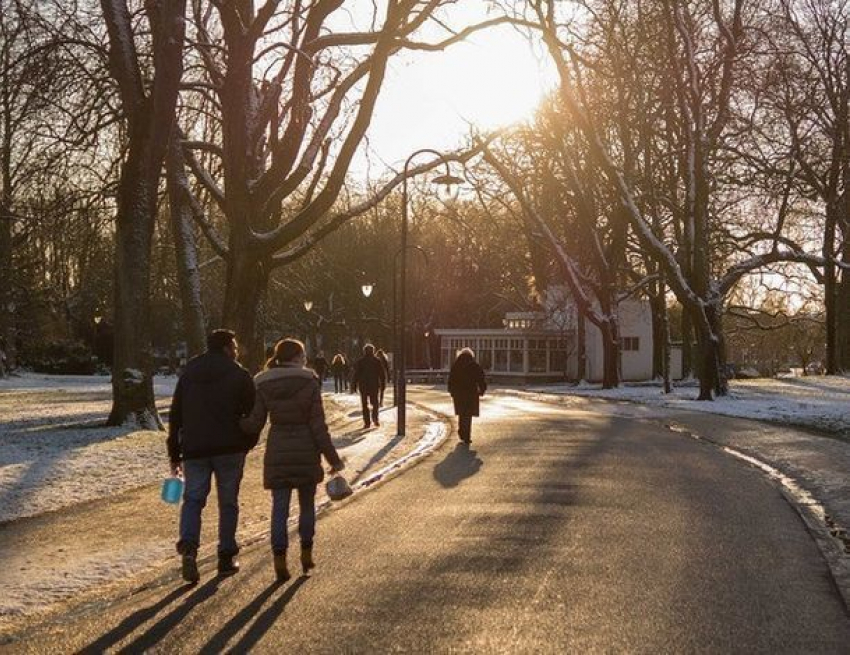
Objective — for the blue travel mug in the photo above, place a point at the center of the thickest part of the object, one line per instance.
(172, 489)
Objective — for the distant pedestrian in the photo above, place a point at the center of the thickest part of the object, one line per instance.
(369, 378)
(339, 369)
(204, 440)
(385, 362)
(466, 385)
(289, 394)
(320, 365)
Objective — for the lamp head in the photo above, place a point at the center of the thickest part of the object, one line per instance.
(367, 289)
(448, 186)
(308, 305)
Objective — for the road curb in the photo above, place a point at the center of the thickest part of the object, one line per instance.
(832, 540)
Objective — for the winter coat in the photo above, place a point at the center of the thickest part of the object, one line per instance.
(290, 396)
(339, 367)
(212, 394)
(466, 385)
(320, 365)
(369, 375)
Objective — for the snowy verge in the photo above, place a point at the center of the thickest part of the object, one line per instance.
(819, 403)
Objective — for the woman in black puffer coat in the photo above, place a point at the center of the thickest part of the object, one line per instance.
(290, 395)
(466, 385)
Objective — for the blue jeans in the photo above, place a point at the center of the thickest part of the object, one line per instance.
(306, 517)
(198, 477)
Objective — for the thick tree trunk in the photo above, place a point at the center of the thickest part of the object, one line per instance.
(132, 367)
(581, 353)
(842, 312)
(247, 280)
(149, 109)
(185, 249)
(8, 332)
(712, 375)
(610, 354)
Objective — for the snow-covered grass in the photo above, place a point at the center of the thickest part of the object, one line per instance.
(818, 402)
(54, 450)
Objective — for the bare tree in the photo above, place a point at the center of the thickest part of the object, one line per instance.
(148, 107)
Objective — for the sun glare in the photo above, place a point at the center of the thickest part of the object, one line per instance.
(432, 99)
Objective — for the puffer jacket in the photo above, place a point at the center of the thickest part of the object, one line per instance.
(291, 398)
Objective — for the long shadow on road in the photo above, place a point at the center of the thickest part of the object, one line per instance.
(265, 621)
(159, 630)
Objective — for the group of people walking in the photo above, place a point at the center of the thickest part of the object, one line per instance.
(218, 412)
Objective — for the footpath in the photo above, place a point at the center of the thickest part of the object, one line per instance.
(121, 543)
(809, 462)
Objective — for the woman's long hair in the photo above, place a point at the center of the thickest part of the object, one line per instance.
(286, 351)
(339, 358)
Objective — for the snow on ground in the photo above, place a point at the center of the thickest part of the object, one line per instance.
(55, 452)
(818, 402)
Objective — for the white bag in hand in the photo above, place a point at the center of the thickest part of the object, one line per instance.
(338, 488)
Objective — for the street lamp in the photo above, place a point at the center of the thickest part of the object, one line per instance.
(308, 305)
(367, 289)
(446, 181)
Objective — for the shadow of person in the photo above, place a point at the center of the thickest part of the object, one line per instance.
(159, 630)
(458, 465)
(268, 618)
(135, 620)
(218, 641)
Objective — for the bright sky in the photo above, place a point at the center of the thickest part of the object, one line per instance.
(430, 98)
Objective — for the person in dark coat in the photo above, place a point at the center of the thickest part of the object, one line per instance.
(385, 362)
(289, 394)
(369, 379)
(320, 365)
(466, 385)
(339, 369)
(205, 440)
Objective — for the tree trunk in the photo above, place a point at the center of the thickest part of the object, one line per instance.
(132, 367)
(687, 344)
(185, 249)
(8, 332)
(581, 345)
(247, 280)
(610, 355)
(149, 108)
(842, 311)
(657, 307)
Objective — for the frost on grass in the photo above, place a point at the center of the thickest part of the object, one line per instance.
(54, 451)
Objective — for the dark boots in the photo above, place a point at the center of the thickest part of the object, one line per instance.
(307, 562)
(227, 565)
(190, 568)
(281, 571)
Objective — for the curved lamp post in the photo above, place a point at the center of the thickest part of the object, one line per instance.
(446, 181)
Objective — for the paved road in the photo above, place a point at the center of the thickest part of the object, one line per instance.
(560, 530)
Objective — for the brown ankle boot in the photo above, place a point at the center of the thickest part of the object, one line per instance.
(280, 568)
(307, 562)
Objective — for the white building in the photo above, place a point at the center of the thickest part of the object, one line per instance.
(543, 345)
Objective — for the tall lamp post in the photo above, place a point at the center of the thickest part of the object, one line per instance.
(447, 180)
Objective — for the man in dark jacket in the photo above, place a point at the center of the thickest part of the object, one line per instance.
(369, 378)
(204, 439)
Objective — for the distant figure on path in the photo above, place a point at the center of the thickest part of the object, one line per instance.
(320, 365)
(369, 379)
(204, 439)
(289, 394)
(385, 362)
(466, 386)
(339, 369)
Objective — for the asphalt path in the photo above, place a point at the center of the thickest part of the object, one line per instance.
(559, 530)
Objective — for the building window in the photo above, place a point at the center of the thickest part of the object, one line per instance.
(629, 344)
(537, 355)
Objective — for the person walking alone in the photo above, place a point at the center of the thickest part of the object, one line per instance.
(320, 365)
(339, 369)
(205, 440)
(369, 378)
(466, 385)
(289, 394)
